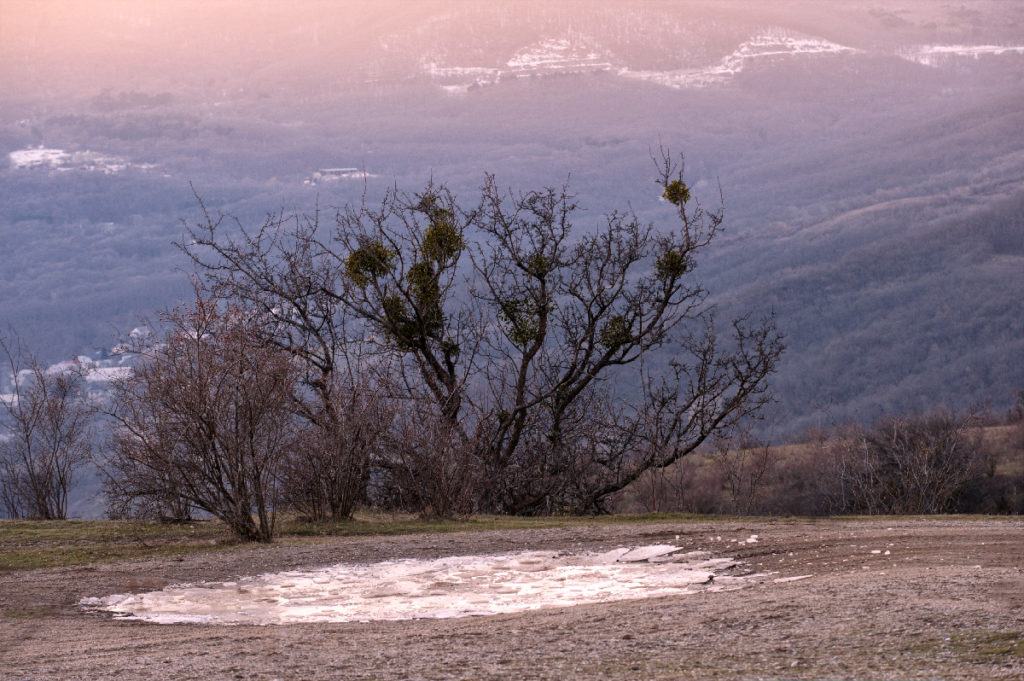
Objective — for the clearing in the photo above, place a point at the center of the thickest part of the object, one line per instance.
(884, 598)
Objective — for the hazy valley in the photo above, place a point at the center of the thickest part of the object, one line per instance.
(871, 160)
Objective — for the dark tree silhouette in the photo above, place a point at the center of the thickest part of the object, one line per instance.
(515, 326)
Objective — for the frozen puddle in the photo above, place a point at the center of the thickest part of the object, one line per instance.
(455, 586)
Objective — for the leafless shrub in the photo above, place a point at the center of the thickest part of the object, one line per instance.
(46, 423)
(429, 469)
(205, 420)
(327, 473)
(133, 490)
(746, 464)
(286, 271)
(689, 485)
(1015, 419)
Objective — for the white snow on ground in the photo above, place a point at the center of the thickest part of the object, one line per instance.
(781, 580)
(758, 47)
(335, 174)
(936, 55)
(35, 158)
(465, 76)
(550, 56)
(557, 55)
(60, 160)
(456, 586)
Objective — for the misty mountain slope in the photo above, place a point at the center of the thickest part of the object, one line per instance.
(891, 262)
(902, 321)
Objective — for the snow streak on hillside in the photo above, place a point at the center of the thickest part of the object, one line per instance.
(759, 47)
(937, 55)
(546, 57)
(550, 56)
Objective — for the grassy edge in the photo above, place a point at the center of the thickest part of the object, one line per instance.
(27, 545)
(32, 544)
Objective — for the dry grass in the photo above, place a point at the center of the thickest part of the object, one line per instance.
(29, 544)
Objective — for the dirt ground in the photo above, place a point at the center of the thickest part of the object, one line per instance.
(885, 599)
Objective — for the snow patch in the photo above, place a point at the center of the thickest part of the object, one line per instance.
(556, 55)
(546, 57)
(937, 55)
(757, 48)
(335, 174)
(60, 160)
(456, 586)
(36, 158)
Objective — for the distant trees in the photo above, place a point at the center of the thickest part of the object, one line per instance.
(937, 462)
(501, 330)
(45, 423)
(204, 421)
(745, 465)
(901, 465)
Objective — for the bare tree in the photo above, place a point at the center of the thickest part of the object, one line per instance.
(205, 418)
(289, 278)
(48, 438)
(515, 326)
(923, 463)
(572, 312)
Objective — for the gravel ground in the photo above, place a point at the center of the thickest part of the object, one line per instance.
(885, 599)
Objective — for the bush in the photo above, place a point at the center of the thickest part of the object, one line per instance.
(204, 420)
(46, 422)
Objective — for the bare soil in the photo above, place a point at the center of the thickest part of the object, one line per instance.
(885, 599)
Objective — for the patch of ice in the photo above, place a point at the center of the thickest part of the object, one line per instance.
(643, 553)
(696, 558)
(456, 586)
(781, 580)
